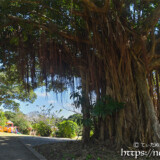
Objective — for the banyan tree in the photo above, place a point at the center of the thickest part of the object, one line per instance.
(113, 46)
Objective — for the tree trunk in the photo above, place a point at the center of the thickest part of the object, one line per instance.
(158, 95)
(140, 77)
(85, 108)
(102, 129)
(133, 123)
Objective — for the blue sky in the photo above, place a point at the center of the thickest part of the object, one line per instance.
(59, 101)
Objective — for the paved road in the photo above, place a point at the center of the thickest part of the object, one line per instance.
(21, 147)
(12, 149)
(34, 141)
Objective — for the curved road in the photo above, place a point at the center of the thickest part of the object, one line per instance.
(35, 141)
(20, 147)
(12, 149)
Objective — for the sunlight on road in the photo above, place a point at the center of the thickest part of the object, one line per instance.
(11, 134)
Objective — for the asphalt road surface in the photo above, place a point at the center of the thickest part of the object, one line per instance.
(12, 149)
(34, 141)
(21, 147)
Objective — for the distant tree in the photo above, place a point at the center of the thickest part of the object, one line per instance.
(78, 118)
(33, 117)
(13, 89)
(3, 119)
(46, 114)
(21, 122)
(9, 115)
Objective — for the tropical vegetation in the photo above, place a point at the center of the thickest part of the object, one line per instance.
(111, 46)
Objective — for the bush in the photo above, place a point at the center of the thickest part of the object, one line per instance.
(21, 122)
(26, 131)
(43, 129)
(67, 129)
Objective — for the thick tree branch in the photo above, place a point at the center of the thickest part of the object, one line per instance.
(28, 21)
(51, 28)
(154, 44)
(152, 52)
(74, 38)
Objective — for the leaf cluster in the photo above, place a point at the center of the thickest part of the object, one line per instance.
(67, 129)
(106, 106)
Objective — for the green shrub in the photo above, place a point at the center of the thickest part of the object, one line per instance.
(26, 131)
(3, 119)
(43, 129)
(67, 129)
(35, 126)
(21, 122)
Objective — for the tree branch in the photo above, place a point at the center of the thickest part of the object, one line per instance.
(151, 21)
(74, 38)
(78, 13)
(71, 110)
(36, 24)
(154, 44)
(155, 64)
(51, 28)
(91, 6)
(152, 51)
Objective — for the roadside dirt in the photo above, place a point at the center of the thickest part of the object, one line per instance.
(76, 151)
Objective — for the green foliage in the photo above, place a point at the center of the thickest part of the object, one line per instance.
(67, 129)
(76, 118)
(43, 129)
(35, 126)
(21, 122)
(12, 89)
(88, 157)
(106, 106)
(10, 115)
(3, 119)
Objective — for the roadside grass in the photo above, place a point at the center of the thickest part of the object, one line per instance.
(78, 138)
(11, 134)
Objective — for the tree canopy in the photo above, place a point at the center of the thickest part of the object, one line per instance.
(113, 46)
